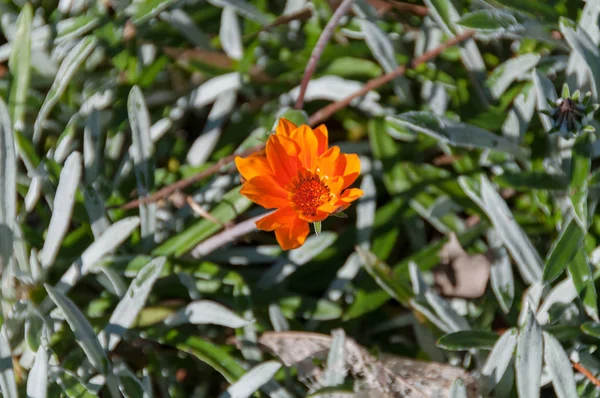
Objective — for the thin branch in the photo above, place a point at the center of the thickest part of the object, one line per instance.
(201, 212)
(319, 47)
(176, 186)
(579, 367)
(326, 112)
(386, 5)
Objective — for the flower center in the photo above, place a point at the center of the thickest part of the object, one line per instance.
(308, 193)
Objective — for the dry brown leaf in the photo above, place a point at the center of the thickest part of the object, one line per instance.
(387, 377)
(461, 274)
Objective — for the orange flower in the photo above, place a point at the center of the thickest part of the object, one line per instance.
(301, 177)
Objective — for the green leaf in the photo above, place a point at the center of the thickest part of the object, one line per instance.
(563, 250)
(583, 44)
(68, 68)
(559, 367)
(490, 21)
(467, 339)
(456, 134)
(497, 362)
(581, 165)
(20, 67)
(509, 71)
(384, 148)
(383, 275)
(525, 180)
(82, 329)
(528, 362)
(249, 383)
(591, 329)
(317, 226)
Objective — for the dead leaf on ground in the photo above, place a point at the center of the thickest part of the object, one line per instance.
(389, 376)
(461, 274)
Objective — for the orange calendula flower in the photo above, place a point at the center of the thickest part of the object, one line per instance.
(300, 176)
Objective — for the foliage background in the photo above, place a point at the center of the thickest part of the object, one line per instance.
(105, 102)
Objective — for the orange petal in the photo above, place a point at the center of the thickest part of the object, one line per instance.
(327, 162)
(277, 219)
(342, 203)
(307, 141)
(351, 194)
(285, 127)
(265, 191)
(293, 235)
(282, 155)
(349, 167)
(322, 138)
(253, 166)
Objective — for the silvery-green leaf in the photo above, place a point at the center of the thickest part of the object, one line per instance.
(528, 362)
(64, 200)
(545, 92)
(181, 21)
(559, 367)
(20, 67)
(519, 116)
(82, 329)
(92, 149)
(37, 380)
(509, 71)
(336, 370)
(456, 133)
(8, 187)
(501, 275)
(446, 313)
(581, 42)
(108, 242)
(515, 240)
(490, 21)
(500, 357)
(208, 91)
(280, 324)
(143, 11)
(131, 303)
(458, 389)
(142, 154)
(244, 8)
(7, 377)
(249, 383)
(69, 66)
(206, 312)
(561, 295)
(204, 145)
(230, 35)
(296, 257)
(94, 205)
(343, 277)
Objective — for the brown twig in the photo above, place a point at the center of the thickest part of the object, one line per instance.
(169, 189)
(579, 367)
(326, 112)
(319, 47)
(415, 9)
(201, 212)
